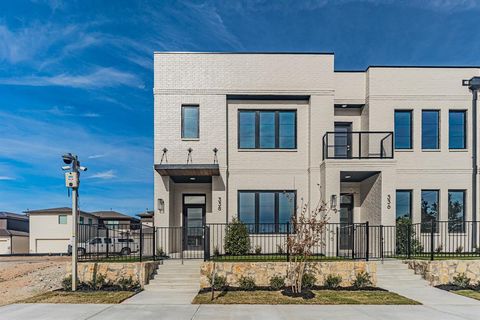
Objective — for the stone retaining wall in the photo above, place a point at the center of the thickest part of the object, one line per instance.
(442, 271)
(263, 271)
(140, 272)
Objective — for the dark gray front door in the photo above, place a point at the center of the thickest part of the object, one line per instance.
(193, 222)
(346, 221)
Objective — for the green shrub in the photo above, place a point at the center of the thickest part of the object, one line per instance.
(97, 283)
(216, 252)
(362, 280)
(404, 231)
(67, 283)
(258, 249)
(308, 280)
(160, 252)
(237, 239)
(218, 282)
(277, 282)
(246, 283)
(461, 280)
(332, 281)
(127, 284)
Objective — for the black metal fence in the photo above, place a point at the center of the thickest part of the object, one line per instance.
(268, 242)
(358, 145)
(116, 242)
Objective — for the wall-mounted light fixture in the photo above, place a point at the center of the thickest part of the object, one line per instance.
(333, 201)
(161, 206)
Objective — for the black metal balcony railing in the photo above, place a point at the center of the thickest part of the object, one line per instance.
(358, 145)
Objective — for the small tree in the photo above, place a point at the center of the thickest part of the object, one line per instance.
(308, 231)
(237, 239)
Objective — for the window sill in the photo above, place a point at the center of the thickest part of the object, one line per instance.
(431, 150)
(458, 150)
(267, 150)
(190, 139)
(404, 150)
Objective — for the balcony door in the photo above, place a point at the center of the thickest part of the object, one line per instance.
(343, 140)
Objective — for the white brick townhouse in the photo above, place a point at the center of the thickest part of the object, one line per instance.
(252, 135)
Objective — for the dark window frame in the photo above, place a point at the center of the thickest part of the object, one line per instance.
(410, 112)
(423, 227)
(183, 121)
(439, 129)
(256, 229)
(465, 131)
(464, 192)
(257, 128)
(410, 191)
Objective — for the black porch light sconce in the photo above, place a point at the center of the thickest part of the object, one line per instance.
(215, 159)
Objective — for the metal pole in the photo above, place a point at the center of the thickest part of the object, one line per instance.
(432, 241)
(367, 236)
(475, 166)
(74, 237)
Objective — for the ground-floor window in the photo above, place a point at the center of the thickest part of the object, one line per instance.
(266, 211)
(430, 210)
(456, 211)
(403, 204)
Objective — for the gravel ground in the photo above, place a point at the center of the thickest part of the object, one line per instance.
(24, 277)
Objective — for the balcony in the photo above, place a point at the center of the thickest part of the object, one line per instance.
(358, 145)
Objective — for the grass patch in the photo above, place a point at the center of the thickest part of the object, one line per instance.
(468, 293)
(101, 297)
(326, 297)
(439, 258)
(268, 258)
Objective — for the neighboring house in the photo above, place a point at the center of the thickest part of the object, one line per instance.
(146, 218)
(109, 217)
(252, 136)
(51, 229)
(13, 233)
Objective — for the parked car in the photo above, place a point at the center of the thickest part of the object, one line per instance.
(123, 246)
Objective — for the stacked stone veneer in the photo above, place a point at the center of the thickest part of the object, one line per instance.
(263, 271)
(140, 272)
(443, 271)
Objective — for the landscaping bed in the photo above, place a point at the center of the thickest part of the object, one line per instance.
(269, 258)
(322, 296)
(81, 297)
(463, 285)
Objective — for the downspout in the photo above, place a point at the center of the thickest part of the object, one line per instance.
(227, 195)
(474, 164)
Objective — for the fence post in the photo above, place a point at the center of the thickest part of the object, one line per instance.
(432, 241)
(106, 237)
(409, 240)
(206, 243)
(367, 244)
(353, 241)
(337, 244)
(382, 242)
(288, 245)
(141, 242)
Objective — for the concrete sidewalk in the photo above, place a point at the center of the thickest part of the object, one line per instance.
(213, 312)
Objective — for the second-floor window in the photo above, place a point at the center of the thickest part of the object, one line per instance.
(430, 129)
(62, 219)
(403, 129)
(267, 129)
(190, 122)
(457, 133)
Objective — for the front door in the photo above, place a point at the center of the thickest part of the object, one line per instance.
(346, 221)
(343, 140)
(193, 221)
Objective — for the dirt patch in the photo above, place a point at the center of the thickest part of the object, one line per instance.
(24, 277)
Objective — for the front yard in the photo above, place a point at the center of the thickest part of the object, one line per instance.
(80, 297)
(325, 297)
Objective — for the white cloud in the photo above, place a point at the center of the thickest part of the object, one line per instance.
(99, 78)
(96, 156)
(109, 174)
(6, 178)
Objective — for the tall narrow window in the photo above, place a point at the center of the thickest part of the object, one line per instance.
(457, 129)
(430, 129)
(267, 129)
(190, 122)
(404, 204)
(403, 129)
(430, 210)
(266, 211)
(456, 210)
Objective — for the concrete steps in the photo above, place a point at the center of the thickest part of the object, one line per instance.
(395, 276)
(174, 283)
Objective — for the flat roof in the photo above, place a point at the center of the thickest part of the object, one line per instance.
(409, 67)
(247, 52)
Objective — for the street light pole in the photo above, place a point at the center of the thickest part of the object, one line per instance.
(72, 180)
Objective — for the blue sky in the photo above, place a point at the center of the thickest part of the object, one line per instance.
(76, 76)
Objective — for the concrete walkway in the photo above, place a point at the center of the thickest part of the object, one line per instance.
(395, 276)
(241, 312)
(174, 284)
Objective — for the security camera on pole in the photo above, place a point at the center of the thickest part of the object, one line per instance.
(72, 180)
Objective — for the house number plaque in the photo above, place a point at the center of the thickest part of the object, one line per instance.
(389, 202)
(219, 204)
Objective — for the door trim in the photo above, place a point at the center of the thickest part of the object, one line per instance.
(184, 215)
